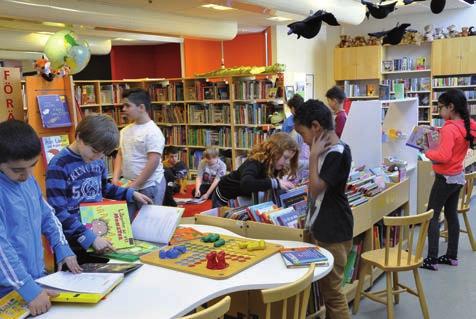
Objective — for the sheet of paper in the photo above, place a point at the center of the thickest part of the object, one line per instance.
(156, 223)
(95, 283)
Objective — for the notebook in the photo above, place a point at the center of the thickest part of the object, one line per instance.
(156, 223)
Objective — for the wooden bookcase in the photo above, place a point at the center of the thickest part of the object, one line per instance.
(195, 113)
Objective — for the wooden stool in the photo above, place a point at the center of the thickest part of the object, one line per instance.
(298, 290)
(218, 310)
(464, 206)
(396, 259)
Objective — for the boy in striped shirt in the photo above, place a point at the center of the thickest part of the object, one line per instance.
(78, 174)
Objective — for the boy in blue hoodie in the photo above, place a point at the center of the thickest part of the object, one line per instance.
(78, 174)
(24, 217)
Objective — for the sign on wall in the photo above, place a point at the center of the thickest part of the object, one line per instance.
(11, 104)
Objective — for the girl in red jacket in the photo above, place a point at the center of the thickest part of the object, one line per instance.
(456, 135)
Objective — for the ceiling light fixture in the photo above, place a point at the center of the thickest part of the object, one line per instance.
(54, 24)
(278, 19)
(216, 7)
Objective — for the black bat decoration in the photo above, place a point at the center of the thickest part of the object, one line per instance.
(310, 27)
(469, 1)
(393, 36)
(378, 11)
(436, 6)
(407, 2)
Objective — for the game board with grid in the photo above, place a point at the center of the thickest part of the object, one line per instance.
(194, 261)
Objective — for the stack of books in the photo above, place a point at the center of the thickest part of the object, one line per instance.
(303, 257)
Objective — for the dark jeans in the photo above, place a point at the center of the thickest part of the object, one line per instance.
(444, 195)
(216, 201)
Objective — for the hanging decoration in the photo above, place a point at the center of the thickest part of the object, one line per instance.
(310, 27)
(378, 11)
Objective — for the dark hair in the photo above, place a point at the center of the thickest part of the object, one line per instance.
(458, 99)
(314, 110)
(18, 141)
(169, 150)
(100, 132)
(336, 93)
(295, 101)
(138, 96)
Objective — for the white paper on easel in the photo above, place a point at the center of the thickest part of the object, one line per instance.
(156, 223)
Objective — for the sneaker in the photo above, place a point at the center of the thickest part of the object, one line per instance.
(430, 263)
(447, 260)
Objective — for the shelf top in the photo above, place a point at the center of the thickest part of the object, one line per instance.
(406, 71)
(452, 87)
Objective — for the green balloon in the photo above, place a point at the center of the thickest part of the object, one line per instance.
(65, 49)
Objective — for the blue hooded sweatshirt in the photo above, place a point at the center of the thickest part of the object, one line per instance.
(24, 217)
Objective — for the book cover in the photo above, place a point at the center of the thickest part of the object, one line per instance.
(52, 145)
(122, 268)
(110, 220)
(399, 89)
(133, 253)
(418, 138)
(12, 306)
(54, 111)
(384, 92)
(293, 196)
(303, 255)
(263, 207)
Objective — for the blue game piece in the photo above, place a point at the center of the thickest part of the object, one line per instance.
(172, 253)
(162, 254)
(182, 249)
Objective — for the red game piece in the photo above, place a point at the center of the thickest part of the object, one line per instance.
(212, 260)
(221, 263)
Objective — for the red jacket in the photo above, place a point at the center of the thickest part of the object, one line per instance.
(448, 157)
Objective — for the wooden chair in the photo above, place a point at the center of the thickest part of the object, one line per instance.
(464, 206)
(298, 290)
(218, 310)
(396, 259)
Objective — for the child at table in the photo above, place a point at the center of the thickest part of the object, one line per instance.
(24, 217)
(210, 169)
(329, 217)
(267, 164)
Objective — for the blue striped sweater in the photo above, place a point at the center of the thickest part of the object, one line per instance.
(71, 181)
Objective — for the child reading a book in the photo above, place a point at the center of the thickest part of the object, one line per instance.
(78, 174)
(267, 164)
(329, 217)
(456, 135)
(139, 158)
(335, 99)
(210, 169)
(175, 173)
(24, 217)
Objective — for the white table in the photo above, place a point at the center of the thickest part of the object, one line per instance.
(160, 293)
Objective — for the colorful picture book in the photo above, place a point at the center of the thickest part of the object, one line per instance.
(52, 145)
(133, 253)
(122, 268)
(303, 256)
(12, 306)
(423, 137)
(110, 220)
(54, 111)
(256, 211)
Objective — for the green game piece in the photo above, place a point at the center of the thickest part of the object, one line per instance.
(214, 238)
(219, 243)
(207, 238)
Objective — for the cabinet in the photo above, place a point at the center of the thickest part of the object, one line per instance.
(453, 56)
(357, 63)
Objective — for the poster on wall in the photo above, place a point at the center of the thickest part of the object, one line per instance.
(11, 104)
(309, 89)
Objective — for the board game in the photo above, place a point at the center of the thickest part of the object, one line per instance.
(194, 260)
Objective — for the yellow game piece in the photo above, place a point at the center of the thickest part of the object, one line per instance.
(262, 244)
(243, 244)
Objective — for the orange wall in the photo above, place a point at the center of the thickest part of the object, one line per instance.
(244, 50)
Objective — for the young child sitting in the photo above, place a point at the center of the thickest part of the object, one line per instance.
(24, 217)
(175, 172)
(210, 170)
(78, 174)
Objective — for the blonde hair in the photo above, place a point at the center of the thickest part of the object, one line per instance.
(210, 153)
(271, 150)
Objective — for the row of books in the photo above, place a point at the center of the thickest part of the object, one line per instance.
(437, 122)
(423, 114)
(168, 114)
(423, 98)
(470, 94)
(252, 113)
(209, 113)
(410, 84)
(405, 64)
(352, 267)
(354, 90)
(203, 90)
(379, 231)
(248, 137)
(85, 94)
(255, 89)
(167, 91)
(209, 137)
(454, 81)
(112, 93)
(175, 135)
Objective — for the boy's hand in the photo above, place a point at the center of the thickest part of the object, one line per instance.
(102, 245)
(285, 184)
(41, 303)
(320, 145)
(141, 198)
(72, 264)
(116, 182)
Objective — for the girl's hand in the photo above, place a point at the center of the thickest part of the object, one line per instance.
(320, 145)
(285, 184)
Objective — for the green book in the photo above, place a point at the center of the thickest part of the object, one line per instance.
(133, 253)
(110, 220)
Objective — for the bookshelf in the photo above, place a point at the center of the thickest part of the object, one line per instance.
(230, 113)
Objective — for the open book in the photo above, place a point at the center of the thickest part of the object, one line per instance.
(156, 223)
(81, 288)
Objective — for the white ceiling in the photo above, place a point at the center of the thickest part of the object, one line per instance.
(421, 7)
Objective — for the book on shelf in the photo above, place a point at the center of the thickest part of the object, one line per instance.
(52, 145)
(256, 211)
(13, 306)
(303, 256)
(110, 220)
(156, 223)
(293, 196)
(54, 111)
(80, 288)
(384, 92)
(121, 268)
(387, 65)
